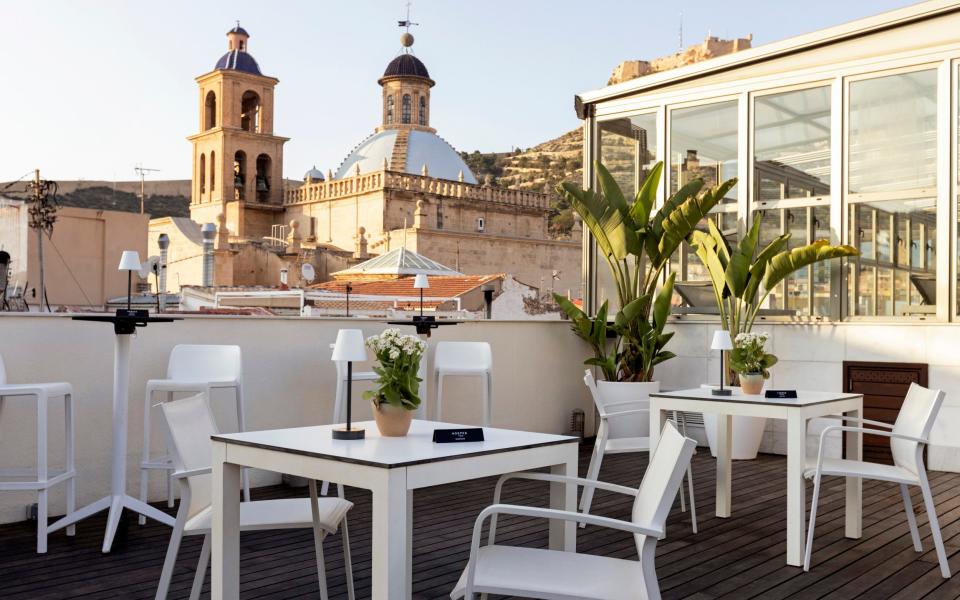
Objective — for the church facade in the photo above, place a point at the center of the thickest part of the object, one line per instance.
(402, 186)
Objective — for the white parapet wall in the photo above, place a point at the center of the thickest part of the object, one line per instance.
(811, 357)
(288, 377)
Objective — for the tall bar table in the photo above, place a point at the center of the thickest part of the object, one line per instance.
(123, 327)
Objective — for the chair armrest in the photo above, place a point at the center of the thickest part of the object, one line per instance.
(859, 420)
(889, 434)
(621, 413)
(580, 481)
(563, 515)
(625, 403)
(191, 473)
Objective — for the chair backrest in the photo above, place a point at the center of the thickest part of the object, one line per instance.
(661, 481)
(916, 418)
(456, 355)
(197, 362)
(3, 372)
(189, 427)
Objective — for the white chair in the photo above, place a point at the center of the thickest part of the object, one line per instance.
(538, 573)
(463, 358)
(607, 444)
(43, 478)
(189, 427)
(908, 438)
(192, 368)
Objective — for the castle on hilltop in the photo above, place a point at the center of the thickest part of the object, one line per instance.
(402, 186)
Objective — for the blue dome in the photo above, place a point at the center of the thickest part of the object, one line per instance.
(237, 60)
(238, 29)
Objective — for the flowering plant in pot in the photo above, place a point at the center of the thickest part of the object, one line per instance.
(750, 360)
(396, 395)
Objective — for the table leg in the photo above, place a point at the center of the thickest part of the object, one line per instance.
(118, 482)
(392, 541)
(724, 465)
(225, 529)
(854, 496)
(796, 487)
(563, 534)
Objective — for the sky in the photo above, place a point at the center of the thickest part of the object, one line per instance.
(93, 88)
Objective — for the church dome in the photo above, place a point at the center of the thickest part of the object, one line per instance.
(314, 173)
(238, 60)
(406, 65)
(422, 148)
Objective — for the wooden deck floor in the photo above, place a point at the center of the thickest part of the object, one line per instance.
(740, 557)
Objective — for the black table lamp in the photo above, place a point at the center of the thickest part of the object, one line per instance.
(129, 262)
(349, 347)
(721, 342)
(420, 282)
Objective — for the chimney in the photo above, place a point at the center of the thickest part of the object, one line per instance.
(164, 243)
(208, 231)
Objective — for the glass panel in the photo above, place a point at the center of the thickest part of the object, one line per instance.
(792, 144)
(703, 143)
(893, 133)
(904, 285)
(821, 271)
(627, 147)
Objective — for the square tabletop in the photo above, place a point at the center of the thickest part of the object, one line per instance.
(417, 447)
(804, 397)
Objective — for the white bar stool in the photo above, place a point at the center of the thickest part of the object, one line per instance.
(192, 368)
(463, 358)
(45, 477)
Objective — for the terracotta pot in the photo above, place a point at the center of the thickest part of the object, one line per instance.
(392, 421)
(751, 383)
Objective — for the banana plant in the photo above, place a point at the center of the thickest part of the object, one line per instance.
(742, 280)
(637, 244)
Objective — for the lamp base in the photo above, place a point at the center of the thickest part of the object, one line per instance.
(348, 434)
(723, 392)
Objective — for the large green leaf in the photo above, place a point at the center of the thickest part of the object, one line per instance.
(738, 269)
(705, 247)
(617, 212)
(790, 261)
(643, 204)
(655, 235)
(604, 222)
(661, 305)
(760, 264)
(683, 218)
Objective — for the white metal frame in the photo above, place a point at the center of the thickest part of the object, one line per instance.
(44, 478)
(849, 468)
(796, 413)
(392, 499)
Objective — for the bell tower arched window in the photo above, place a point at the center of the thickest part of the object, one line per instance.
(203, 173)
(422, 118)
(389, 110)
(405, 109)
(250, 112)
(213, 171)
(239, 174)
(210, 111)
(263, 178)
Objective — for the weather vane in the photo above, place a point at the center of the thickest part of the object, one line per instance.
(406, 38)
(406, 23)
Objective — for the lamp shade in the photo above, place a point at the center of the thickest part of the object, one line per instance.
(421, 282)
(721, 340)
(129, 261)
(349, 346)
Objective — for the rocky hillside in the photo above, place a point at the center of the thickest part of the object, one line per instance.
(105, 198)
(538, 169)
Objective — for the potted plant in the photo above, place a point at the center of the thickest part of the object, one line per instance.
(750, 360)
(742, 278)
(395, 398)
(637, 244)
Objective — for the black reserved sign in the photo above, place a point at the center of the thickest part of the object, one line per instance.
(449, 436)
(781, 394)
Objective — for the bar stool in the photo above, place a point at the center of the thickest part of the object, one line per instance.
(192, 368)
(45, 477)
(463, 358)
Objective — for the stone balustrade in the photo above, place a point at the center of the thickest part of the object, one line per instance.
(317, 191)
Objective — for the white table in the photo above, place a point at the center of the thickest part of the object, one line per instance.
(796, 412)
(391, 468)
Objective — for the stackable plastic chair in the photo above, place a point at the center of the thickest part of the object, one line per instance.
(539, 573)
(467, 359)
(606, 444)
(192, 368)
(42, 478)
(908, 438)
(190, 425)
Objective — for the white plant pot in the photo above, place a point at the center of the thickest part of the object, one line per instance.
(747, 434)
(636, 425)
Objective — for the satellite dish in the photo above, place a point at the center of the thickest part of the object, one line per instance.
(149, 266)
(307, 272)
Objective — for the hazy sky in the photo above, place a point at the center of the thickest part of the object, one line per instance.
(91, 88)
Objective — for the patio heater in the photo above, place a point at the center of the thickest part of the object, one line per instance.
(721, 342)
(349, 347)
(129, 262)
(164, 244)
(420, 282)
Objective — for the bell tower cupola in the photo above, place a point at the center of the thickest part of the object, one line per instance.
(406, 87)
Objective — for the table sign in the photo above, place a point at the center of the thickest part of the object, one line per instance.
(449, 436)
(781, 394)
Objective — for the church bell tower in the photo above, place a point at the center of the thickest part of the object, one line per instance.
(237, 160)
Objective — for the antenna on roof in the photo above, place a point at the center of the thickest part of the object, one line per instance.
(681, 32)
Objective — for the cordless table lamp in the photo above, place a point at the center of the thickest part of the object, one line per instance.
(420, 282)
(721, 342)
(349, 347)
(129, 262)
